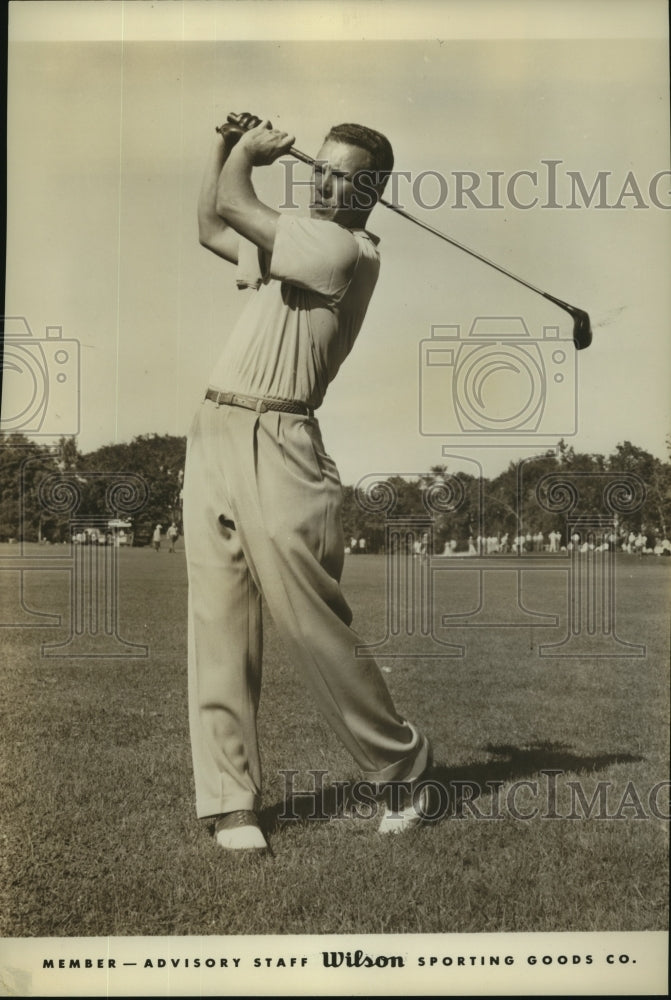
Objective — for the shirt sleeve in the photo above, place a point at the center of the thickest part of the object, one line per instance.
(314, 254)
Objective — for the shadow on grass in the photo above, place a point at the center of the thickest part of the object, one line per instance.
(507, 763)
(511, 763)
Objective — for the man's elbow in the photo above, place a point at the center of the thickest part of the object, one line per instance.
(224, 205)
(205, 234)
(209, 236)
(210, 229)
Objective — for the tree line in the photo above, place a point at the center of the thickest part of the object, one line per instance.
(460, 507)
(102, 484)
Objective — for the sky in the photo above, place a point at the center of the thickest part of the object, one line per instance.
(109, 124)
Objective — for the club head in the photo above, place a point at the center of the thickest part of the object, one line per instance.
(582, 329)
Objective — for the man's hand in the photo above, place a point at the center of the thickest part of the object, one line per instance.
(230, 135)
(236, 202)
(231, 132)
(264, 144)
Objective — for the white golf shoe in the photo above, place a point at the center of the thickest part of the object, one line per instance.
(239, 831)
(413, 810)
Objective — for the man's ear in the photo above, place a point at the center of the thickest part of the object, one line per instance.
(367, 190)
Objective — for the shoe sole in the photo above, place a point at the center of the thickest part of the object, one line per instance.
(407, 819)
(227, 840)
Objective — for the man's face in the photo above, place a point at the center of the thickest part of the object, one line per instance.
(335, 196)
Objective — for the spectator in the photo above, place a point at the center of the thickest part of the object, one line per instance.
(173, 535)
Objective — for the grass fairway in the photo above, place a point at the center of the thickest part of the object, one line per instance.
(99, 831)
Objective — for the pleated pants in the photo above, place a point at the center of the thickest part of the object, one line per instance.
(262, 505)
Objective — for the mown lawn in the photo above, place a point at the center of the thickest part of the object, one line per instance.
(99, 835)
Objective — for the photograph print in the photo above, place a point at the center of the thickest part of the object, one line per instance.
(335, 499)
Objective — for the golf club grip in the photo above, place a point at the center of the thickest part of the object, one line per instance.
(234, 119)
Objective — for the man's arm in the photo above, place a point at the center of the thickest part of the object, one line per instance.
(213, 231)
(236, 200)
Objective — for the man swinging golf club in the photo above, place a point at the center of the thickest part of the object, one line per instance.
(262, 498)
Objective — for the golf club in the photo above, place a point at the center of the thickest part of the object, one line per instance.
(582, 328)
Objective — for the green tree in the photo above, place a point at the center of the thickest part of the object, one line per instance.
(463, 493)
(23, 465)
(158, 460)
(655, 516)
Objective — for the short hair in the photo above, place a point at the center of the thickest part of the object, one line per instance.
(375, 143)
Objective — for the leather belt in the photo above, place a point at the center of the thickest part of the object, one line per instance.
(259, 403)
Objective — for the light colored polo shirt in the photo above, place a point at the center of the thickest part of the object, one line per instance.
(301, 323)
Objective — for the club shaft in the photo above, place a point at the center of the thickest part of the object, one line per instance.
(462, 246)
(310, 160)
(302, 156)
(443, 236)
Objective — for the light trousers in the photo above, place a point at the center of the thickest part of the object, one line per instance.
(262, 505)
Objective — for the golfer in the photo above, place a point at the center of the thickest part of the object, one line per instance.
(262, 498)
